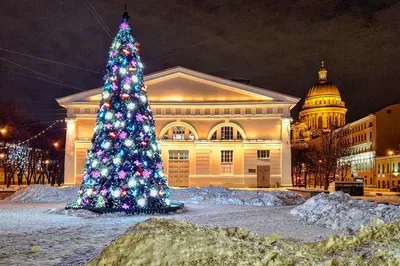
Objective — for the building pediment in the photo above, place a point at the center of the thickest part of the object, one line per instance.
(182, 85)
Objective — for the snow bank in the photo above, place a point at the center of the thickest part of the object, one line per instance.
(43, 193)
(206, 195)
(168, 242)
(221, 196)
(340, 211)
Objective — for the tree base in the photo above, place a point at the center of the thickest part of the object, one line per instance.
(175, 206)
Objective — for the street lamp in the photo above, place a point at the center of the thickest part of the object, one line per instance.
(56, 144)
(3, 130)
(2, 155)
(390, 153)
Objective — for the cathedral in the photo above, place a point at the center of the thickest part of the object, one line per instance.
(323, 110)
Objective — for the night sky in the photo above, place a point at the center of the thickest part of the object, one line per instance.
(278, 45)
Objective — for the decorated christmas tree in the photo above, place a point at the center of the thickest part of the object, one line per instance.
(124, 170)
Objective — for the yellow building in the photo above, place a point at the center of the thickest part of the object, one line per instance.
(323, 109)
(387, 171)
(212, 131)
(373, 137)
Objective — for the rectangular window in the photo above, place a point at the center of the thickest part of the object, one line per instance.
(173, 155)
(226, 162)
(188, 111)
(217, 111)
(227, 111)
(179, 155)
(248, 111)
(226, 133)
(270, 110)
(383, 168)
(178, 133)
(197, 112)
(280, 110)
(263, 154)
(226, 156)
(178, 111)
(237, 111)
(168, 111)
(259, 111)
(207, 112)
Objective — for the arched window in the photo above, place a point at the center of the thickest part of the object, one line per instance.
(226, 131)
(214, 136)
(178, 131)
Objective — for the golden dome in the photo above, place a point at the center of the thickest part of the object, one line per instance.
(323, 107)
(323, 87)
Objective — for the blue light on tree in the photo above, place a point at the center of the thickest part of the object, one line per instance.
(124, 170)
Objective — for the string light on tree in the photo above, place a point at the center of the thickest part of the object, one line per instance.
(124, 171)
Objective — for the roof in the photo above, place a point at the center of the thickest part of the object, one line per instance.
(276, 96)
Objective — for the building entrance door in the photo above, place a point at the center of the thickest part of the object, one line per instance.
(263, 176)
(178, 169)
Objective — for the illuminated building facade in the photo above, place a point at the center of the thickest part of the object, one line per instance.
(212, 131)
(374, 140)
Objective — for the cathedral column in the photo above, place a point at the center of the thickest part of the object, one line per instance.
(286, 155)
(69, 166)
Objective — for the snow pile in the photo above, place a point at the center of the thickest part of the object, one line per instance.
(340, 211)
(193, 195)
(222, 196)
(169, 242)
(43, 193)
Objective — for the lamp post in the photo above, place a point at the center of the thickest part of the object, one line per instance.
(390, 153)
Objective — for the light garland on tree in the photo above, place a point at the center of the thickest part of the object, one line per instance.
(124, 169)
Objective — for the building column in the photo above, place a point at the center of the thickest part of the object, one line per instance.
(69, 166)
(286, 153)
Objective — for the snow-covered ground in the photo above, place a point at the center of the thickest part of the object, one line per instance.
(68, 240)
(34, 231)
(206, 195)
(170, 242)
(341, 211)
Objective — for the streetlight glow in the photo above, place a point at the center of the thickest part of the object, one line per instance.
(3, 130)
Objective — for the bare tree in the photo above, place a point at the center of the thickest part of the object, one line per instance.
(302, 163)
(327, 150)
